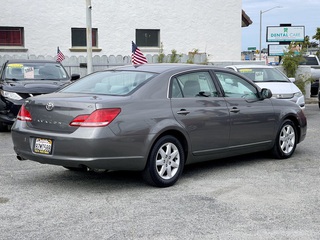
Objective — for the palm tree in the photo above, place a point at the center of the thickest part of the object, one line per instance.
(317, 37)
(306, 43)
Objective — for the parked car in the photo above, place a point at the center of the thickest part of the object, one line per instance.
(314, 62)
(20, 79)
(155, 119)
(314, 88)
(311, 60)
(319, 98)
(270, 77)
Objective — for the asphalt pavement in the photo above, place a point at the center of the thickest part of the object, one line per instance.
(248, 197)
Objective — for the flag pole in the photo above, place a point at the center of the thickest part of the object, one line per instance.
(89, 37)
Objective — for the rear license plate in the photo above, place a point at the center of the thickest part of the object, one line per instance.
(43, 146)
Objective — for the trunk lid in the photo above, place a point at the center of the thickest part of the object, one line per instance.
(54, 112)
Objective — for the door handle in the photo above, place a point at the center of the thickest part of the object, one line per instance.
(235, 110)
(183, 112)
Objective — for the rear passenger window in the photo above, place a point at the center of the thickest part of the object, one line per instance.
(196, 84)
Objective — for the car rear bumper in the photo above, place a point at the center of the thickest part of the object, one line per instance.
(132, 163)
(82, 149)
(7, 118)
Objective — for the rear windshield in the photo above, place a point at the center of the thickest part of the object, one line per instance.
(109, 82)
(35, 71)
(310, 61)
(264, 74)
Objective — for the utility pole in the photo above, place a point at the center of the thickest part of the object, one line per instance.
(89, 36)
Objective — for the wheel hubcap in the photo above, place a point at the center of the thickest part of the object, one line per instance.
(168, 161)
(287, 139)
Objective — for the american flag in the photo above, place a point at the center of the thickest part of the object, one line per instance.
(137, 56)
(60, 56)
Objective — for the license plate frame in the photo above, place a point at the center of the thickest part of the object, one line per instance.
(43, 146)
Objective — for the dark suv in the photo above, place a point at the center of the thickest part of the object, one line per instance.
(20, 79)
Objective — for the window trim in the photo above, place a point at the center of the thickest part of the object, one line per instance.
(84, 48)
(148, 47)
(14, 48)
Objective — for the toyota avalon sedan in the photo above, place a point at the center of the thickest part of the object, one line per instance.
(155, 119)
(270, 77)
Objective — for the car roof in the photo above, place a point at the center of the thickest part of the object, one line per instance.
(250, 66)
(165, 67)
(30, 61)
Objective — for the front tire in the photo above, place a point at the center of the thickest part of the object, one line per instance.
(165, 163)
(286, 140)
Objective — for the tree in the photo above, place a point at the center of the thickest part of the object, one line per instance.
(317, 36)
(306, 43)
(292, 59)
(313, 44)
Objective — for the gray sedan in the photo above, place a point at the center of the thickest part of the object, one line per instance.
(155, 119)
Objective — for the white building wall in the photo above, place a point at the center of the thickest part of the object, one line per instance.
(212, 26)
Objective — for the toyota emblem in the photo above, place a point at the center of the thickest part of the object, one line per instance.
(49, 106)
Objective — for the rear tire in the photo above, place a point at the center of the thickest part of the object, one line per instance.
(165, 163)
(4, 127)
(286, 140)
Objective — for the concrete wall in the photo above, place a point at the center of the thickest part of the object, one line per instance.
(213, 27)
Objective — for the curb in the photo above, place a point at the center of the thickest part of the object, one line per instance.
(312, 100)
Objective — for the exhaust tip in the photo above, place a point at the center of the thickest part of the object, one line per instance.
(20, 158)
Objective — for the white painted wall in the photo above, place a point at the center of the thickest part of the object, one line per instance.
(211, 26)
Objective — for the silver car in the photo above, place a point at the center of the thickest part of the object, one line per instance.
(155, 119)
(272, 78)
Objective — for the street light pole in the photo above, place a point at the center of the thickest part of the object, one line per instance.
(89, 36)
(261, 12)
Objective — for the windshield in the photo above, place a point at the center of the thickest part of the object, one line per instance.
(35, 71)
(264, 74)
(109, 82)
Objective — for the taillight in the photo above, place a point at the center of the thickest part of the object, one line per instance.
(24, 114)
(99, 118)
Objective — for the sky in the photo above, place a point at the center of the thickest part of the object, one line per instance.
(297, 12)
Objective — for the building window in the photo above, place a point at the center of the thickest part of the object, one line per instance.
(79, 37)
(11, 36)
(148, 37)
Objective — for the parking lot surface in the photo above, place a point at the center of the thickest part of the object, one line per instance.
(247, 197)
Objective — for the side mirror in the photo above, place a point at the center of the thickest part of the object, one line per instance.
(266, 93)
(292, 79)
(75, 76)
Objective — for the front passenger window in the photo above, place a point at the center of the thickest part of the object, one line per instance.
(236, 87)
